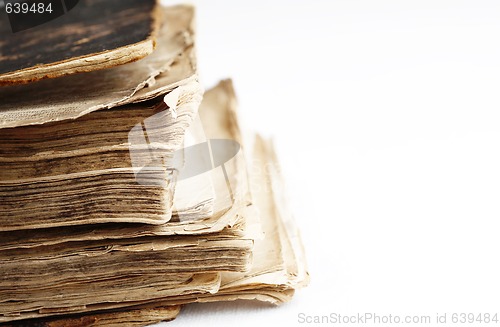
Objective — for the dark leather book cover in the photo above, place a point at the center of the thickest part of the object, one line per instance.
(75, 36)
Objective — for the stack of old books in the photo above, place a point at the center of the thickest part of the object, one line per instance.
(125, 190)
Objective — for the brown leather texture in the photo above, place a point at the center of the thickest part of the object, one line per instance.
(122, 30)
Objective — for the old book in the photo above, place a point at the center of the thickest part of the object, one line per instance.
(95, 35)
(219, 123)
(278, 266)
(105, 267)
(120, 199)
(171, 64)
(86, 170)
(93, 158)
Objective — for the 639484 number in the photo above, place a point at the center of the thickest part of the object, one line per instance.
(474, 318)
(25, 8)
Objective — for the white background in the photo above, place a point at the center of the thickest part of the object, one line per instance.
(385, 115)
